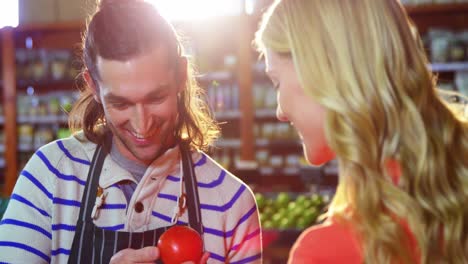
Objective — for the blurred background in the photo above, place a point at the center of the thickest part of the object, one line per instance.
(40, 48)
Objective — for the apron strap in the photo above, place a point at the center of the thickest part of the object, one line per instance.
(191, 188)
(93, 178)
(82, 250)
(80, 247)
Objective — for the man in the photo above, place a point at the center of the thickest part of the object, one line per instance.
(134, 167)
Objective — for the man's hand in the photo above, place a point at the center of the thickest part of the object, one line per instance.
(145, 255)
(129, 255)
(203, 259)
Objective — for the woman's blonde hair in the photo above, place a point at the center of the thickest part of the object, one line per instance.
(363, 61)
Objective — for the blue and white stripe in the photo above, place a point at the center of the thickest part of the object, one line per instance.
(39, 224)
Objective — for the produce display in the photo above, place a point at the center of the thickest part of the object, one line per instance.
(289, 211)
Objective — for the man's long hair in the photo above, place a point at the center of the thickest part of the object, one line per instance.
(124, 29)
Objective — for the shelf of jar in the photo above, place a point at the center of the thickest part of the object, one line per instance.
(47, 119)
(48, 84)
(271, 183)
(449, 66)
(25, 147)
(274, 143)
(227, 114)
(278, 143)
(265, 113)
(271, 171)
(228, 143)
(235, 114)
(219, 76)
(305, 171)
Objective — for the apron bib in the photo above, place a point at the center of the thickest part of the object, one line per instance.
(92, 244)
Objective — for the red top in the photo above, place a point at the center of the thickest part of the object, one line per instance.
(326, 243)
(332, 242)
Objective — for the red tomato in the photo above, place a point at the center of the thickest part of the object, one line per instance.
(179, 244)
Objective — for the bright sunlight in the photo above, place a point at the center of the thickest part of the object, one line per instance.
(8, 13)
(195, 10)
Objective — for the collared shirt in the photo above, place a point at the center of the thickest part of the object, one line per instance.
(136, 169)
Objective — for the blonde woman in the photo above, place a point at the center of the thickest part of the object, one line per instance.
(352, 78)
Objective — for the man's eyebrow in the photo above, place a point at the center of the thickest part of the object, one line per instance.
(115, 98)
(161, 89)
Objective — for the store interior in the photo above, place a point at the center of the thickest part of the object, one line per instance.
(40, 79)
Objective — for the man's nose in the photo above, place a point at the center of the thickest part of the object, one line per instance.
(141, 120)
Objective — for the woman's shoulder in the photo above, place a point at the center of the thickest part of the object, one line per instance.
(330, 242)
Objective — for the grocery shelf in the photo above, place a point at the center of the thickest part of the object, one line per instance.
(428, 9)
(279, 171)
(449, 67)
(274, 143)
(331, 170)
(278, 143)
(48, 85)
(274, 182)
(48, 119)
(265, 113)
(25, 147)
(227, 115)
(219, 76)
(228, 143)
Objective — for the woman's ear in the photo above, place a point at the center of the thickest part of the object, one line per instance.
(91, 84)
(181, 73)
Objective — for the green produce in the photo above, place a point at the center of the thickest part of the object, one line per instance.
(286, 211)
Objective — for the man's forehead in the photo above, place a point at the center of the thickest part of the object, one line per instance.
(155, 57)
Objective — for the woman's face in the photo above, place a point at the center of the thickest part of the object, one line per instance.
(298, 108)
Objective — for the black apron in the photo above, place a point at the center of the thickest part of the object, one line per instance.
(95, 245)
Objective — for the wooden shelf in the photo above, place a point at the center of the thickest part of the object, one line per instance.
(294, 182)
(51, 27)
(428, 9)
(25, 147)
(227, 115)
(220, 76)
(266, 171)
(453, 16)
(277, 143)
(273, 143)
(449, 67)
(228, 143)
(265, 113)
(48, 85)
(49, 119)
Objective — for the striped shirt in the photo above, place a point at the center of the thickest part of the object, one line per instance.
(40, 221)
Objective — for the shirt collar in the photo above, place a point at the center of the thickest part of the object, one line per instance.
(167, 163)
